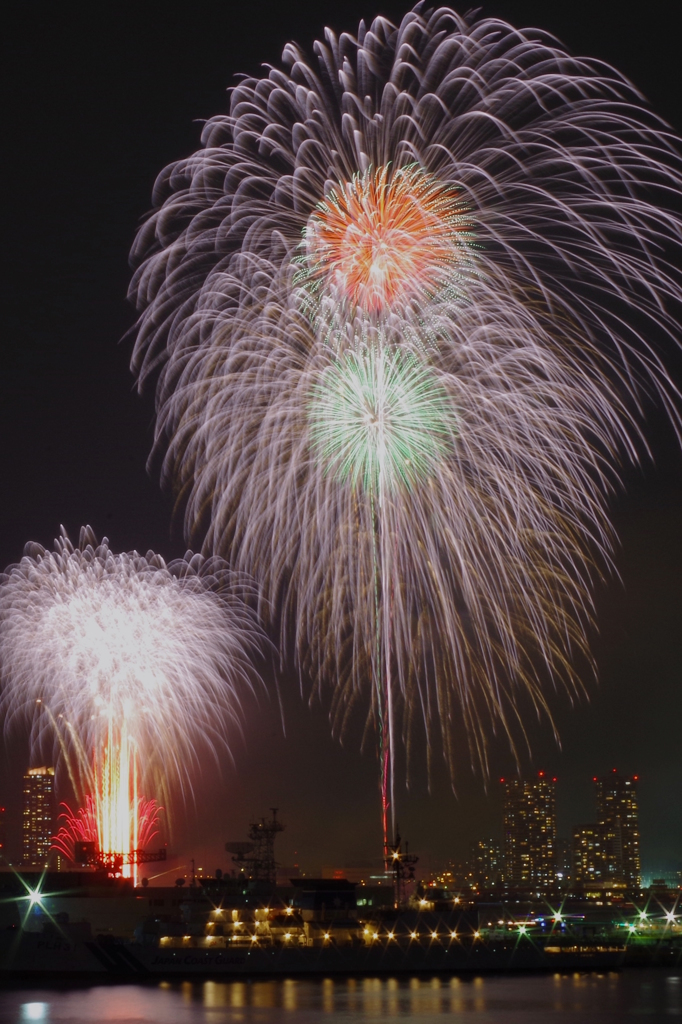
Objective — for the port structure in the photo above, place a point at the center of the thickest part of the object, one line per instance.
(256, 858)
(112, 863)
(401, 863)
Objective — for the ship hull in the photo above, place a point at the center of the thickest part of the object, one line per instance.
(31, 954)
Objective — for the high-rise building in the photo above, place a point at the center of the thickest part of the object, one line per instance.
(594, 854)
(485, 866)
(530, 832)
(617, 811)
(564, 861)
(38, 816)
(607, 851)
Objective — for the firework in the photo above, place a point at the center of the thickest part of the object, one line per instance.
(127, 667)
(380, 420)
(89, 824)
(404, 308)
(385, 242)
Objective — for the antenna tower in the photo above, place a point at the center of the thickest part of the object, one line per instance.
(402, 864)
(257, 857)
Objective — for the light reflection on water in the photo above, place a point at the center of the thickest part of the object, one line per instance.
(609, 998)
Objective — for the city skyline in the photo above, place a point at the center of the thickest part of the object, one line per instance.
(525, 853)
(83, 438)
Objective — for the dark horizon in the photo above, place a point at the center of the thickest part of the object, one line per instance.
(99, 101)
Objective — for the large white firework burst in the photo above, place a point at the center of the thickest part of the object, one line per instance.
(455, 192)
(92, 641)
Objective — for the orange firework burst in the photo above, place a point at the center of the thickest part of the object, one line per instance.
(383, 239)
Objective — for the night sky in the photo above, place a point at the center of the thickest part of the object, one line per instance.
(98, 99)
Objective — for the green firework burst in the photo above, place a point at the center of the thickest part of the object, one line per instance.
(381, 419)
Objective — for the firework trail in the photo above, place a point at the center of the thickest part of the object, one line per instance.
(85, 826)
(127, 667)
(403, 311)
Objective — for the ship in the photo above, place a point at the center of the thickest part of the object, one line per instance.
(70, 952)
(96, 926)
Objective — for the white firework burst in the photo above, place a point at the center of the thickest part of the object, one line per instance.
(92, 641)
(468, 203)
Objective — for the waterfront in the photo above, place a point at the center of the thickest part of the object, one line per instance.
(503, 999)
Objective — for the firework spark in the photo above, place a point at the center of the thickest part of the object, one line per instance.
(380, 419)
(127, 666)
(483, 222)
(386, 239)
(89, 825)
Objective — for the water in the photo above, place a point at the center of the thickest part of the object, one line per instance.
(654, 996)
